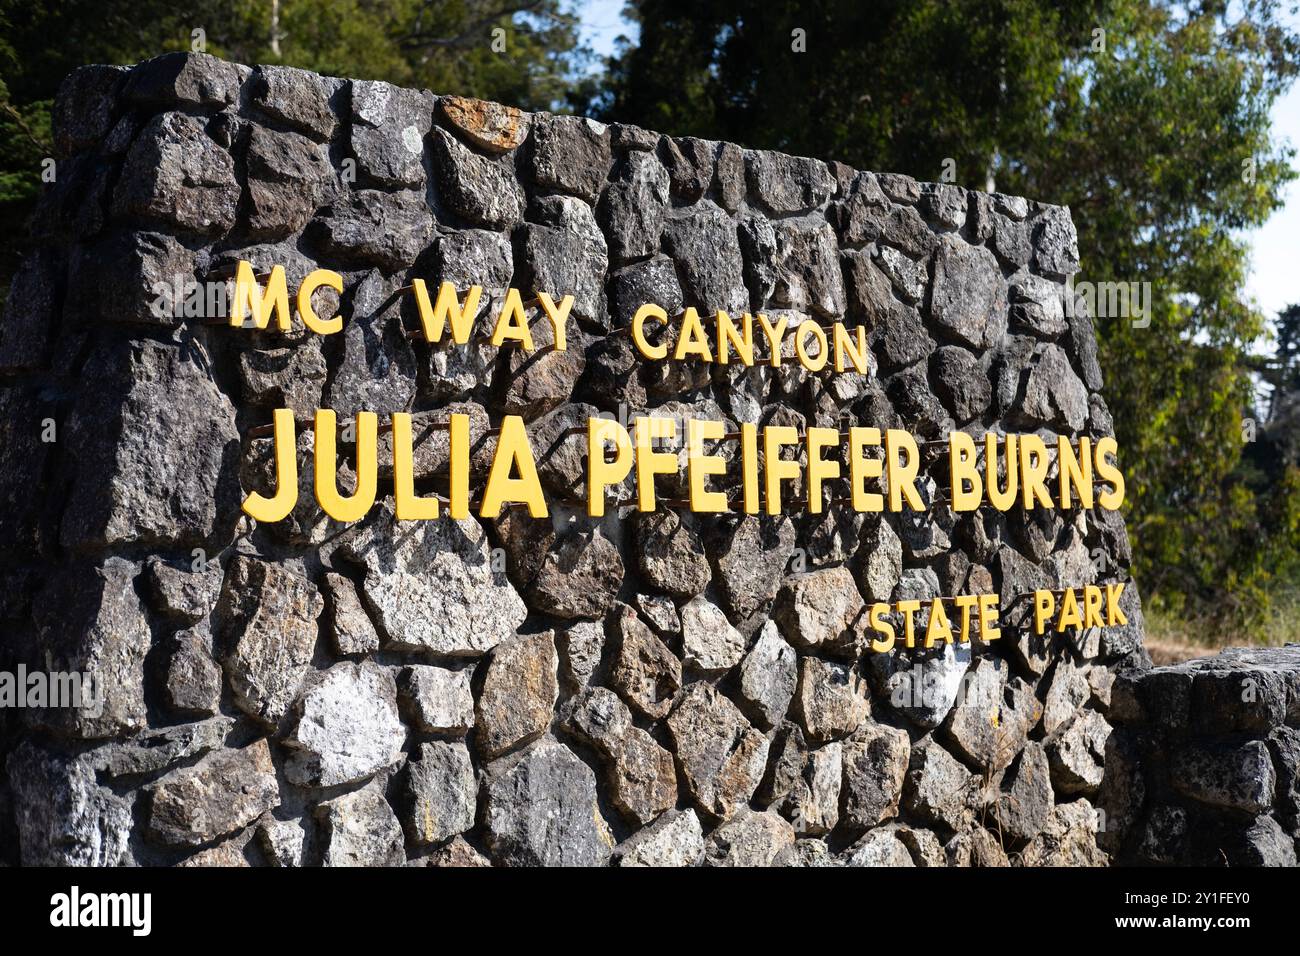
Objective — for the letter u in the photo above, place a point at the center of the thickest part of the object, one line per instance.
(354, 506)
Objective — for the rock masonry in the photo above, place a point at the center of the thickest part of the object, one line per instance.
(662, 689)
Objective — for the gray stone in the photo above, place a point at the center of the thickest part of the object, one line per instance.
(388, 128)
(518, 697)
(675, 839)
(360, 829)
(1023, 807)
(1223, 775)
(222, 793)
(645, 673)
(184, 79)
(84, 108)
(632, 207)
(709, 643)
(289, 176)
(960, 383)
(268, 619)
(705, 246)
(541, 810)
(439, 700)
(817, 611)
(388, 230)
(440, 789)
(433, 588)
(812, 805)
(175, 174)
(155, 445)
(570, 154)
(581, 646)
(347, 727)
(568, 258)
(748, 839)
(875, 761)
(938, 789)
(377, 372)
(1076, 752)
(721, 756)
(880, 847)
(879, 561)
(750, 558)
(62, 816)
(787, 184)
(768, 676)
(1056, 248)
(1054, 396)
(670, 554)
(90, 621)
(481, 191)
(350, 625)
(832, 700)
(969, 296)
(567, 567)
(298, 98)
(993, 718)
(193, 680)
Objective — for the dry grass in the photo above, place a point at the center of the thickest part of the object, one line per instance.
(1171, 639)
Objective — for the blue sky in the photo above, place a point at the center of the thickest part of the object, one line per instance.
(1275, 259)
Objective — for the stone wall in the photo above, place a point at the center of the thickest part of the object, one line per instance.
(1203, 767)
(648, 688)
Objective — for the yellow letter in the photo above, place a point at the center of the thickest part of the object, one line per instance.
(862, 467)
(965, 602)
(989, 617)
(648, 311)
(879, 624)
(1070, 616)
(728, 337)
(800, 350)
(749, 467)
(938, 623)
(512, 323)
(601, 473)
(844, 346)
(1033, 471)
(650, 462)
(434, 320)
(558, 316)
(907, 609)
(264, 509)
(1002, 499)
(1074, 470)
(1092, 606)
(691, 339)
(699, 465)
(247, 300)
(775, 467)
(308, 315)
(458, 505)
(1110, 500)
(967, 489)
(774, 333)
(354, 506)
(819, 468)
(513, 450)
(1114, 615)
(409, 507)
(902, 476)
(1044, 608)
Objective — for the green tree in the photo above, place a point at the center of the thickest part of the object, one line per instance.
(1149, 119)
